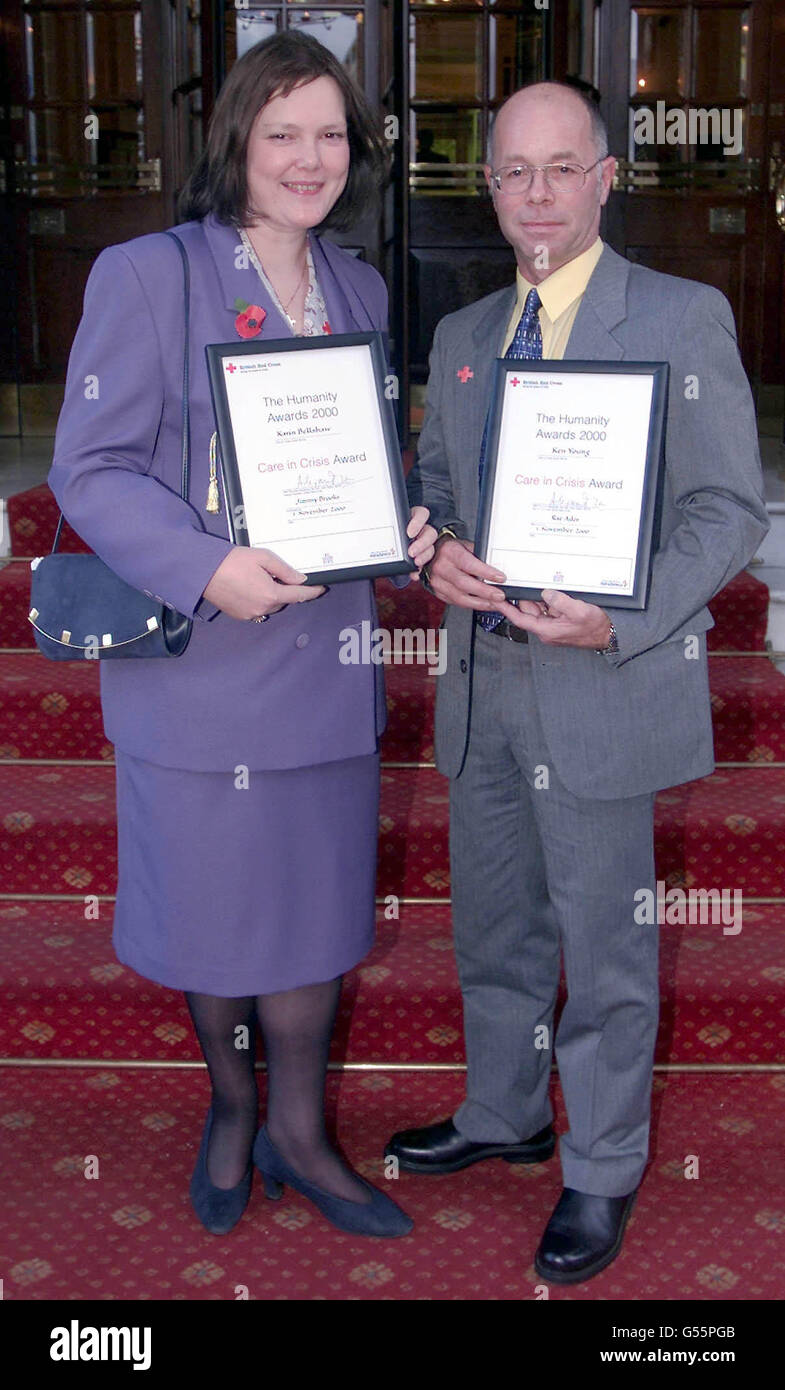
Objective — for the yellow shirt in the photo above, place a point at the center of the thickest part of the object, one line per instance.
(561, 294)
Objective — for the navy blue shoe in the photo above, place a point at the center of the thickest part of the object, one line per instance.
(218, 1208)
(379, 1217)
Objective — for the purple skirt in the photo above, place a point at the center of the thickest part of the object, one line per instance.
(236, 891)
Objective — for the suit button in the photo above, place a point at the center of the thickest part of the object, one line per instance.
(302, 640)
(464, 667)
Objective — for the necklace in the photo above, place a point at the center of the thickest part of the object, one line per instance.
(264, 277)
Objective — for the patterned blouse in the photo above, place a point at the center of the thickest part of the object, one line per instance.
(315, 320)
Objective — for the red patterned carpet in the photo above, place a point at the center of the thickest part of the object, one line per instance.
(57, 831)
(66, 998)
(130, 1233)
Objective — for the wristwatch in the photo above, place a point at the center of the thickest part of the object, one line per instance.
(613, 644)
(425, 572)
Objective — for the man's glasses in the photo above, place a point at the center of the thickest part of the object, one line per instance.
(560, 178)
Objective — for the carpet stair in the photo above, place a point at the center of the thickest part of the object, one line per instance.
(57, 831)
(748, 709)
(32, 520)
(740, 610)
(52, 710)
(740, 613)
(67, 996)
(15, 629)
(475, 1233)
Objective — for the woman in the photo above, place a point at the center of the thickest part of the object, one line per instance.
(247, 769)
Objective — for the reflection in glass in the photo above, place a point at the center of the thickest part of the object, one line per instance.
(55, 137)
(443, 139)
(120, 140)
(56, 51)
(718, 135)
(721, 48)
(515, 53)
(657, 53)
(387, 45)
(652, 140)
(342, 33)
(114, 64)
(704, 135)
(447, 57)
(244, 28)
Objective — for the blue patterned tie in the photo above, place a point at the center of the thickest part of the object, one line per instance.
(527, 343)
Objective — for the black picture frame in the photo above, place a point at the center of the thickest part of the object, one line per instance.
(232, 482)
(653, 480)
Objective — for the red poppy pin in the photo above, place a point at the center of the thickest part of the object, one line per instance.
(326, 326)
(249, 319)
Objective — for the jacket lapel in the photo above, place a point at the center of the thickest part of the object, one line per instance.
(484, 346)
(472, 393)
(603, 308)
(345, 310)
(239, 280)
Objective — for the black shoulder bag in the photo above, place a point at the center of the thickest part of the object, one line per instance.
(81, 608)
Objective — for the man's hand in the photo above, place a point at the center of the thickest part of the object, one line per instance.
(423, 536)
(457, 576)
(562, 621)
(249, 583)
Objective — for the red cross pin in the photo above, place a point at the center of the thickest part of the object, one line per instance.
(463, 374)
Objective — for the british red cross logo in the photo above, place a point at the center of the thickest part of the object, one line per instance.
(230, 367)
(515, 381)
(463, 374)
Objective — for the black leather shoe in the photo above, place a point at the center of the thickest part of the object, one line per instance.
(440, 1148)
(583, 1236)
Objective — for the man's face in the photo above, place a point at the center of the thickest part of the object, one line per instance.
(548, 125)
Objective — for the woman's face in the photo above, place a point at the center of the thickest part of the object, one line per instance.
(298, 156)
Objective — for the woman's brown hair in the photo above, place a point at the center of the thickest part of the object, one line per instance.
(274, 68)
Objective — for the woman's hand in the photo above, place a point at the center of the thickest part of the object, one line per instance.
(250, 583)
(423, 536)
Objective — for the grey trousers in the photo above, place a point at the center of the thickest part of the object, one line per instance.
(536, 871)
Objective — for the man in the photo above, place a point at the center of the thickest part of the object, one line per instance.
(557, 723)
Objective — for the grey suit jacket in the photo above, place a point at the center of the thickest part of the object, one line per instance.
(641, 720)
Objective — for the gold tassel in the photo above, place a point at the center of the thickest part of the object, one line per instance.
(213, 503)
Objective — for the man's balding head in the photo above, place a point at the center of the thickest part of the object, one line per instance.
(599, 130)
(549, 123)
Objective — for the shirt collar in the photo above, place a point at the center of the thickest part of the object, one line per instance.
(559, 290)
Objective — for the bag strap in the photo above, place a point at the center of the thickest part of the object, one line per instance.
(186, 448)
(186, 441)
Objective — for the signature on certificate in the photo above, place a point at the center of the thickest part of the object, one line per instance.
(562, 502)
(308, 483)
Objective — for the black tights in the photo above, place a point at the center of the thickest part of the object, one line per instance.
(296, 1026)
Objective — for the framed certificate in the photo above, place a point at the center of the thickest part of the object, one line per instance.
(309, 454)
(572, 481)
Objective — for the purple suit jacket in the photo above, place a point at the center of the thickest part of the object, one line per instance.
(269, 695)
